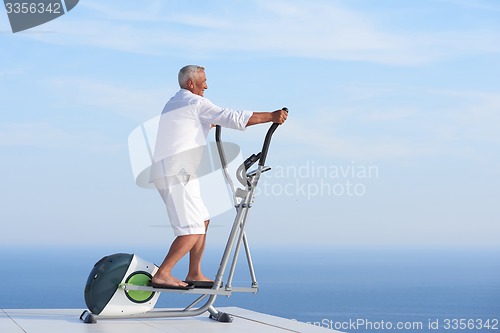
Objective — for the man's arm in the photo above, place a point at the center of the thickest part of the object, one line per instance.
(278, 116)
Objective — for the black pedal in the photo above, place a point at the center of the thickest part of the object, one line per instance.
(254, 172)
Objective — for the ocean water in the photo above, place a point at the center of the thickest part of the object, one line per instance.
(353, 290)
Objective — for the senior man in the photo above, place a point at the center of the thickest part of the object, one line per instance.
(184, 125)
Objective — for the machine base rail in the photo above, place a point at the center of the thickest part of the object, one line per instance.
(195, 291)
(89, 318)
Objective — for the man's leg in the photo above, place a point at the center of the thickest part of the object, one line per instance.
(195, 256)
(179, 248)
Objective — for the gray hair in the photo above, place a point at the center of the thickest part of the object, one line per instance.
(188, 72)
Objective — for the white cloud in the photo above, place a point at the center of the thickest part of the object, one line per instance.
(126, 11)
(475, 117)
(30, 134)
(11, 72)
(48, 136)
(309, 29)
(316, 138)
(135, 103)
(478, 4)
(451, 123)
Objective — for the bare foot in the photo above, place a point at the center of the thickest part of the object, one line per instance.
(199, 277)
(168, 280)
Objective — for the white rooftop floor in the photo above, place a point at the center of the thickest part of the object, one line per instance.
(67, 320)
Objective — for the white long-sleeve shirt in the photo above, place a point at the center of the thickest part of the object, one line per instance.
(184, 125)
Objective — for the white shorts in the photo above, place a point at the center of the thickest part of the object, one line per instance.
(186, 210)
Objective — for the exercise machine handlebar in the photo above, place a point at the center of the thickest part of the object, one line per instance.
(261, 157)
(267, 141)
(218, 130)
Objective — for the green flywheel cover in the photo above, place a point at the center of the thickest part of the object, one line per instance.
(139, 279)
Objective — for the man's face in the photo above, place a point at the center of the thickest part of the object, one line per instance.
(198, 85)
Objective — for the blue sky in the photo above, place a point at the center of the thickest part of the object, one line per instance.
(409, 90)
